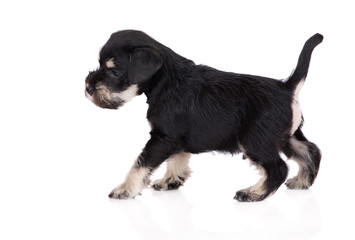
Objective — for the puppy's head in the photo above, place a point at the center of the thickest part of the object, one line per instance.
(127, 61)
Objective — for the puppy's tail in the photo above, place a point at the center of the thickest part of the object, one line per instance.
(300, 73)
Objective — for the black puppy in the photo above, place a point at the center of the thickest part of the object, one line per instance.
(195, 108)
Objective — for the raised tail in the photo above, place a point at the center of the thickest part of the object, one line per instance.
(303, 62)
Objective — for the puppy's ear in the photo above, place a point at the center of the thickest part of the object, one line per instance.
(144, 63)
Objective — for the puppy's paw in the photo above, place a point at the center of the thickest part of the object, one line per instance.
(168, 183)
(248, 196)
(122, 192)
(296, 183)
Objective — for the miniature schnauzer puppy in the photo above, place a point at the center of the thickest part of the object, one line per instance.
(196, 108)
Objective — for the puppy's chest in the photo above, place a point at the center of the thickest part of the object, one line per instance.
(169, 118)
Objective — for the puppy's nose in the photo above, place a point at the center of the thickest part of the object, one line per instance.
(90, 90)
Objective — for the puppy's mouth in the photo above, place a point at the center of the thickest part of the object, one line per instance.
(103, 98)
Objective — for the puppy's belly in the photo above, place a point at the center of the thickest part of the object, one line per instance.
(212, 139)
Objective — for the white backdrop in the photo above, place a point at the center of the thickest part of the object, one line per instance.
(60, 155)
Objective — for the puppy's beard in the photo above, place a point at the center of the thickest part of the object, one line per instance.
(104, 98)
(101, 100)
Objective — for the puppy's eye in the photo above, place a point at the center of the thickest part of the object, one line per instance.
(115, 73)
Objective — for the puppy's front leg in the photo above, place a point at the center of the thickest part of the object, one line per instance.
(156, 151)
(136, 180)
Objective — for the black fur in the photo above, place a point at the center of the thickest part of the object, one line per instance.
(303, 61)
(196, 108)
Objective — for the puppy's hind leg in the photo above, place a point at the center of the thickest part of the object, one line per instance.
(273, 172)
(176, 174)
(307, 155)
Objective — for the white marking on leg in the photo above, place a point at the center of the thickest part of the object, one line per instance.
(136, 180)
(304, 161)
(296, 108)
(177, 171)
(178, 165)
(259, 189)
(299, 147)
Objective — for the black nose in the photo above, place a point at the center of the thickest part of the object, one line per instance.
(90, 90)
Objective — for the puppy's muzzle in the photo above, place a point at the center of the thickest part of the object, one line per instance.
(102, 97)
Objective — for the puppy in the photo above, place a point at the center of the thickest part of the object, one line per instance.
(195, 108)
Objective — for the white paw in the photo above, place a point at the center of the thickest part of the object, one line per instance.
(136, 180)
(123, 192)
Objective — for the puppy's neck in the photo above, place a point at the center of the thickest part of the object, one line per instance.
(169, 78)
